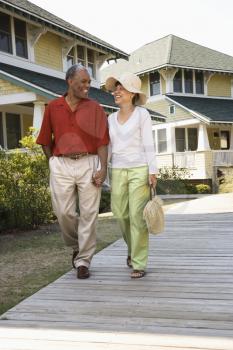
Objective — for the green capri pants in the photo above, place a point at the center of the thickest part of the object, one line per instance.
(130, 193)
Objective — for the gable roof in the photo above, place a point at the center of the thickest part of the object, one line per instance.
(215, 110)
(171, 51)
(35, 13)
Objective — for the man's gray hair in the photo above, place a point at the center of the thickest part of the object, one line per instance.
(74, 69)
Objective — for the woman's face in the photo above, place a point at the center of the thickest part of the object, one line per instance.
(122, 96)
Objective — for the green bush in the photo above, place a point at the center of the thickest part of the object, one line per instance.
(105, 205)
(173, 181)
(24, 193)
(202, 188)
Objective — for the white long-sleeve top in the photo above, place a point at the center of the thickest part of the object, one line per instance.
(131, 143)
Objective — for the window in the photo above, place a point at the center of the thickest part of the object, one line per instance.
(192, 139)
(20, 38)
(180, 139)
(199, 77)
(90, 62)
(154, 83)
(224, 139)
(80, 55)
(1, 132)
(188, 81)
(172, 109)
(177, 81)
(5, 33)
(13, 130)
(70, 58)
(162, 140)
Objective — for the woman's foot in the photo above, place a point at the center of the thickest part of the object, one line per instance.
(138, 274)
(128, 261)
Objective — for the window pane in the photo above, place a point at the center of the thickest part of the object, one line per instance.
(154, 83)
(80, 52)
(5, 33)
(162, 140)
(225, 140)
(90, 69)
(199, 82)
(90, 56)
(188, 81)
(192, 139)
(177, 82)
(20, 38)
(1, 131)
(13, 130)
(180, 139)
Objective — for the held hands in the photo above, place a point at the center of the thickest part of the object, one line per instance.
(152, 180)
(99, 177)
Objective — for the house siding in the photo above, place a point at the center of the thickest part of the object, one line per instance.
(219, 85)
(162, 106)
(48, 51)
(6, 88)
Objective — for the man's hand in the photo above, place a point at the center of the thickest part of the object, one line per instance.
(152, 180)
(99, 177)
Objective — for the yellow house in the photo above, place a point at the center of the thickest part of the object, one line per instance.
(192, 86)
(36, 49)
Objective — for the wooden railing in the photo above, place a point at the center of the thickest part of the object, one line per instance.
(223, 158)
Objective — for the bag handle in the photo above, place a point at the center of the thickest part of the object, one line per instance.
(153, 192)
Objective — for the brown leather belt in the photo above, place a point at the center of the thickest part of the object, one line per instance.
(75, 156)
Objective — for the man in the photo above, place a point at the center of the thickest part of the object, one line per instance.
(74, 138)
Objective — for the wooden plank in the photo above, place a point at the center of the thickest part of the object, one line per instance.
(185, 301)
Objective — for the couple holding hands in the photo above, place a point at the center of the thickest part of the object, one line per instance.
(75, 136)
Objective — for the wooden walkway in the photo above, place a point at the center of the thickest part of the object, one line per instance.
(184, 302)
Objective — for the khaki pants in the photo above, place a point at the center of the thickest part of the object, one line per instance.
(130, 193)
(71, 180)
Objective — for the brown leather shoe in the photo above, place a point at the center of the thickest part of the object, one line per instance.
(83, 272)
(75, 253)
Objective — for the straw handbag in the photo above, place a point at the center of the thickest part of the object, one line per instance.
(153, 213)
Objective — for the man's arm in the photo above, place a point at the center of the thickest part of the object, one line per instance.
(47, 151)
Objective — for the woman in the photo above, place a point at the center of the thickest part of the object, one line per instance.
(133, 166)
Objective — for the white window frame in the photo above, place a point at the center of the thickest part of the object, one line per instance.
(13, 38)
(186, 137)
(194, 84)
(157, 143)
(174, 109)
(85, 58)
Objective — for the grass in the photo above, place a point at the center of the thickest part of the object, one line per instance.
(31, 260)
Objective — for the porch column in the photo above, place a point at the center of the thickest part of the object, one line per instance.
(38, 113)
(203, 140)
(231, 138)
(171, 142)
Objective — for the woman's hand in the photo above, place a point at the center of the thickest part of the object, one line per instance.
(152, 180)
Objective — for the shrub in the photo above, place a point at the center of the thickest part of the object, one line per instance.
(24, 193)
(202, 188)
(172, 180)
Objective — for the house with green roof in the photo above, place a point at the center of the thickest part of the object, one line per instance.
(36, 49)
(192, 86)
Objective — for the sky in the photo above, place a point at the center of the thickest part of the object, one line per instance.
(130, 24)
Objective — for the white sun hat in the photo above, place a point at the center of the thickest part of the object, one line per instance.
(131, 82)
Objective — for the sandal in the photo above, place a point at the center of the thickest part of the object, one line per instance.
(128, 261)
(138, 274)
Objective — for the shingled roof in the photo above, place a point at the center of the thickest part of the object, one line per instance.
(35, 13)
(215, 110)
(171, 51)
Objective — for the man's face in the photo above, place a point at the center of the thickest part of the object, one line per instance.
(80, 84)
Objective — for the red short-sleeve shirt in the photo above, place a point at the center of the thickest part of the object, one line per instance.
(67, 132)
